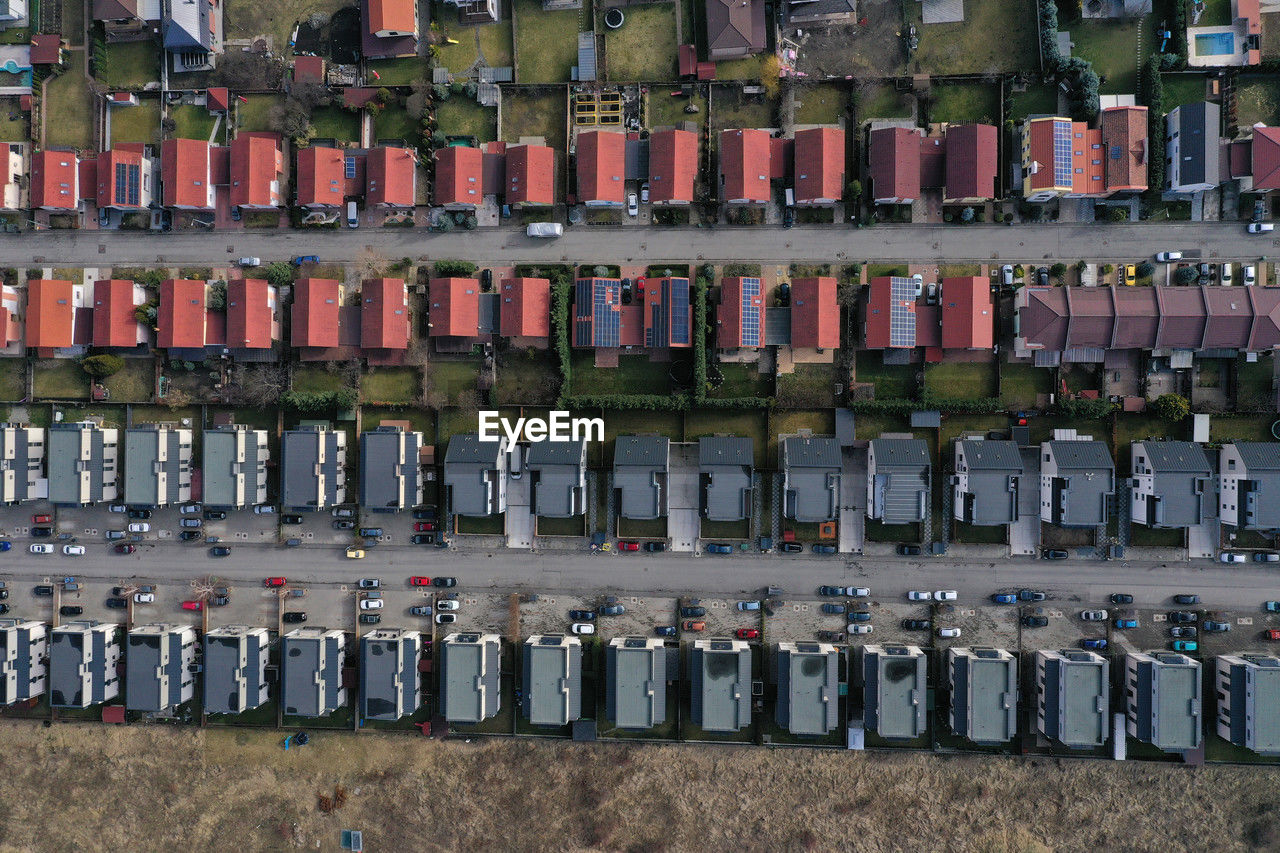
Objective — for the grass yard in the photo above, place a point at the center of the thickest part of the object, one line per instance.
(635, 374)
(744, 422)
(256, 115)
(60, 379)
(1258, 100)
(394, 122)
(824, 103)
(791, 421)
(275, 18)
(959, 270)
(1113, 48)
(493, 41)
(746, 68)
(954, 426)
(69, 102)
(960, 103)
(1217, 13)
(1036, 100)
(732, 109)
(336, 123)
(193, 121)
(13, 121)
(72, 22)
(808, 386)
(960, 380)
(461, 116)
(665, 110)
(136, 124)
(644, 47)
(883, 101)
(1184, 88)
(546, 43)
(892, 381)
(391, 385)
(882, 270)
(131, 64)
(1254, 383)
(1223, 428)
(742, 380)
(996, 35)
(1021, 383)
(315, 379)
(13, 381)
(401, 71)
(526, 377)
(133, 384)
(536, 114)
(454, 378)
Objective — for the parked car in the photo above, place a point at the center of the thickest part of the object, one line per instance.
(693, 612)
(376, 604)
(1031, 595)
(291, 617)
(276, 581)
(191, 523)
(665, 630)
(1186, 599)
(1260, 228)
(219, 601)
(427, 512)
(249, 262)
(189, 509)
(1225, 277)
(580, 628)
(1209, 626)
(193, 605)
(582, 615)
(919, 595)
(1121, 598)
(117, 603)
(1004, 598)
(1096, 644)
(832, 636)
(42, 519)
(859, 616)
(945, 595)
(1271, 606)
(633, 207)
(144, 598)
(369, 619)
(748, 605)
(342, 512)
(117, 508)
(1034, 622)
(213, 515)
(1185, 645)
(612, 610)
(1130, 274)
(916, 624)
(190, 535)
(41, 549)
(1125, 624)
(424, 526)
(370, 583)
(747, 633)
(1093, 615)
(655, 547)
(419, 580)
(1166, 257)
(43, 590)
(423, 539)
(693, 625)
(305, 259)
(220, 551)
(142, 514)
(1183, 617)
(1042, 276)
(1266, 557)
(73, 550)
(859, 629)
(420, 610)
(446, 618)
(644, 192)
(139, 527)
(949, 633)
(290, 519)
(41, 532)
(791, 548)
(70, 610)
(719, 548)
(343, 524)
(836, 609)
(264, 509)
(909, 550)
(1053, 554)
(371, 532)
(444, 581)
(354, 554)
(1250, 275)
(628, 546)
(822, 548)
(447, 604)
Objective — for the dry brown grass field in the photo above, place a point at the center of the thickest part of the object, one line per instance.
(91, 787)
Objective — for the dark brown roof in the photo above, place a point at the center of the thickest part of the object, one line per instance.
(1230, 317)
(1266, 318)
(1137, 317)
(895, 162)
(114, 10)
(1182, 318)
(735, 26)
(1043, 321)
(972, 161)
(1266, 158)
(1091, 316)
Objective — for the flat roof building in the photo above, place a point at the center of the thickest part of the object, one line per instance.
(1162, 699)
(157, 465)
(984, 694)
(895, 686)
(988, 477)
(158, 674)
(1249, 701)
(235, 669)
(234, 474)
(1077, 479)
(558, 477)
(82, 664)
(811, 478)
(82, 463)
(808, 688)
(22, 464)
(1073, 697)
(390, 686)
(313, 463)
(640, 468)
(311, 661)
(636, 682)
(552, 681)
(1172, 486)
(390, 471)
(720, 684)
(725, 467)
(899, 476)
(470, 677)
(475, 475)
(24, 650)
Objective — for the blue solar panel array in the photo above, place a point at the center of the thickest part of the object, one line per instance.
(606, 319)
(679, 303)
(582, 316)
(128, 184)
(902, 319)
(1062, 153)
(750, 335)
(349, 166)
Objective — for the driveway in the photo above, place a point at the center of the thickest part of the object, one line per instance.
(683, 516)
(853, 499)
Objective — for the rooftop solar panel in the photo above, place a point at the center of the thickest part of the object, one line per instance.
(1062, 153)
(680, 311)
(750, 335)
(902, 316)
(349, 166)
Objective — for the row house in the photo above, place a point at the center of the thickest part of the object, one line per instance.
(751, 159)
(963, 162)
(1062, 158)
(523, 174)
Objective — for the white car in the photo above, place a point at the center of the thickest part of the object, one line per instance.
(633, 208)
(582, 628)
(446, 604)
(264, 509)
(949, 633)
(859, 628)
(41, 549)
(190, 509)
(1224, 277)
(371, 604)
(1166, 257)
(139, 527)
(73, 550)
(1093, 615)
(1261, 227)
(857, 592)
(1225, 557)
(144, 598)
(1250, 275)
(250, 262)
(919, 595)
(945, 595)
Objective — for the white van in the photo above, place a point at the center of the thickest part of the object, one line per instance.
(353, 216)
(544, 229)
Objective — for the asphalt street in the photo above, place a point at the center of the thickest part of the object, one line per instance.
(769, 245)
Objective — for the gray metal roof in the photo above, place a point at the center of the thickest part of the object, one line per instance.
(235, 466)
(894, 692)
(390, 474)
(1085, 481)
(78, 473)
(725, 464)
(808, 688)
(557, 470)
(1183, 481)
(811, 469)
(640, 475)
(552, 682)
(1081, 455)
(1198, 126)
(720, 684)
(187, 26)
(1075, 695)
(470, 677)
(157, 667)
(471, 471)
(311, 662)
(306, 482)
(389, 680)
(1164, 708)
(157, 465)
(901, 474)
(22, 452)
(23, 647)
(984, 694)
(995, 475)
(635, 682)
(1253, 701)
(1259, 455)
(82, 665)
(235, 660)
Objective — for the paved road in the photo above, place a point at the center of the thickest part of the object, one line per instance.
(765, 245)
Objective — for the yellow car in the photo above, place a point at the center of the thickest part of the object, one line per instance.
(1130, 274)
(355, 554)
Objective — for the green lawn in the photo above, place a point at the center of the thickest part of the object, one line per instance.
(546, 43)
(1113, 47)
(454, 378)
(256, 115)
(892, 381)
(996, 35)
(954, 426)
(73, 22)
(400, 71)
(882, 270)
(665, 110)
(644, 47)
(635, 374)
(883, 101)
(1258, 100)
(746, 68)
(394, 122)
(60, 379)
(1254, 383)
(13, 384)
(732, 109)
(193, 121)
(136, 124)
(536, 114)
(131, 64)
(1184, 88)
(1021, 383)
(791, 421)
(960, 380)
(742, 380)
(808, 386)
(1243, 428)
(461, 116)
(315, 379)
(391, 385)
(824, 103)
(491, 40)
(336, 123)
(959, 103)
(69, 103)
(1217, 13)
(527, 377)
(1036, 100)
(15, 127)
(135, 383)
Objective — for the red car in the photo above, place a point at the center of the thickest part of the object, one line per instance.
(193, 605)
(42, 519)
(423, 527)
(1273, 633)
(274, 582)
(125, 549)
(419, 580)
(747, 633)
(628, 546)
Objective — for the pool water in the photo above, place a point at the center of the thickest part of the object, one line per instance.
(1215, 44)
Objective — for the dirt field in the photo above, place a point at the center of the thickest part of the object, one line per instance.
(169, 789)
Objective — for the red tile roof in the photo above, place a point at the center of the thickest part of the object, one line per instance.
(392, 175)
(358, 96)
(50, 314)
(459, 176)
(1085, 152)
(530, 175)
(729, 331)
(257, 168)
(673, 165)
(972, 161)
(392, 16)
(182, 306)
(819, 171)
(455, 308)
(250, 313)
(815, 318)
(880, 313)
(1124, 152)
(185, 173)
(217, 99)
(110, 192)
(113, 322)
(55, 180)
(525, 308)
(745, 165)
(1266, 158)
(968, 315)
(46, 49)
(316, 302)
(601, 166)
(895, 163)
(308, 69)
(384, 314)
(320, 177)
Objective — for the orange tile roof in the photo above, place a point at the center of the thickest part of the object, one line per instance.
(459, 176)
(55, 180)
(185, 173)
(745, 165)
(110, 192)
(316, 302)
(455, 308)
(819, 169)
(392, 16)
(392, 175)
(525, 308)
(968, 315)
(1124, 139)
(50, 314)
(113, 322)
(384, 314)
(815, 318)
(531, 174)
(257, 167)
(320, 176)
(181, 321)
(250, 314)
(673, 165)
(601, 162)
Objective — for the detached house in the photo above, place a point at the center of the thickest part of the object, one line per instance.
(989, 475)
(391, 174)
(317, 304)
(1249, 485)
(182, 314)
(601, 167)
(253, 319)
(55, 181)
(819, 166)
(14, 180)
(1077, 480)
(811, 469)
(745, 166)
(390, 28)
(455, 308)
(186, 174)
(126, 177)
(192, 31)
(475, 475)
(115, 325)
(384, 316)
(459, 183)
(1193, 136)
(525, 311)
(320, 178)
(899, 478)
(815, 316)
(673, 166)
(740, 314)
(257, 171)
(530, 176)
(640, 471)
(735, 28)
(56, 323)
(1172, 486)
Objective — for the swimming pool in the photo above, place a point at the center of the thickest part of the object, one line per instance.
(1215, 44)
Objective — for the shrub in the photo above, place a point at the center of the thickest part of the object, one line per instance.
(454, 269)
(102, 366)
(1172, 407)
